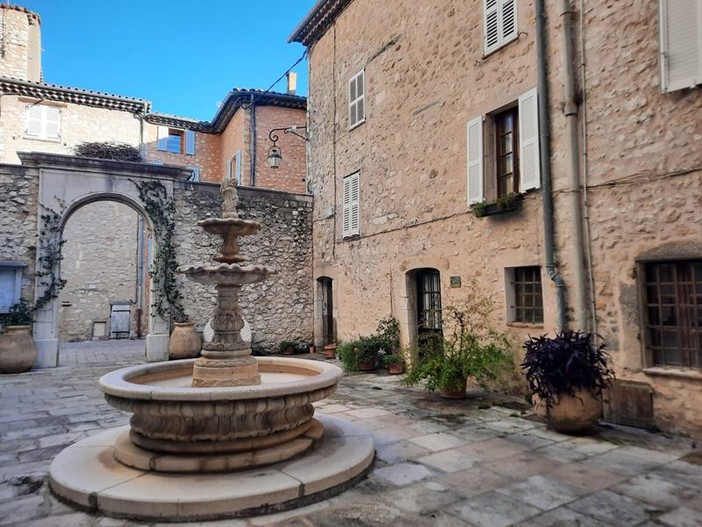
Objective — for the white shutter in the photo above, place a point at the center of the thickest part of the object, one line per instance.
(162, 144)
(34, 120)
(474, 132)
(361, 91)
(490, 24)
(355, 205)
(529, 165)
(351, 206)
(52, 122)
(357, 110)
(508, 20)
(237, 167)
(680, 44)
(229, 169)
(189, 143)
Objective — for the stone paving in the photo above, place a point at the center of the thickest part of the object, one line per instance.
(478, 462)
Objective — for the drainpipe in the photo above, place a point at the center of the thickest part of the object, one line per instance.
(253, 141)
(573, 167)
(545, 161)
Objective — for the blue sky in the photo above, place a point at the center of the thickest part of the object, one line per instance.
(183, 56)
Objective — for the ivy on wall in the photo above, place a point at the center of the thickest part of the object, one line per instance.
(161, 209)
(50, 247)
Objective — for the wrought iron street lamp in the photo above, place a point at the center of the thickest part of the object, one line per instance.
(275, 156)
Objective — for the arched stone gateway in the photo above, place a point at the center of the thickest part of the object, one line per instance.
(66, 184)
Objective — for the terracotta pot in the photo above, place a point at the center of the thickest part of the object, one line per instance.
(17, 349)
(330, 351)
(396, 368)
(289, 351)
(571, 414)
(366, 366)
(185, 342)
(456, 390)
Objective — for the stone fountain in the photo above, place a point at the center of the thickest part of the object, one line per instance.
(224, 435)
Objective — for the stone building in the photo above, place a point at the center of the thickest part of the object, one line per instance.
(543, 153)
(41, 117)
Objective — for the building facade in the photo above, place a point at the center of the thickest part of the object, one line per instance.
(542, 153)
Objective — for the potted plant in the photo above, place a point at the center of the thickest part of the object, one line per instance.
(474, 350)
(567, 374)
(17, 349)
(360, 354)
(507, 203)
(394, 362)
(288, 347)
(330, 350)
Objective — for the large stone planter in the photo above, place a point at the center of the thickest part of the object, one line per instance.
(17, 349)
(185, 342)
(571, 414)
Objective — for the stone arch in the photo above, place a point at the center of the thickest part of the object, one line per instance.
(68, 183)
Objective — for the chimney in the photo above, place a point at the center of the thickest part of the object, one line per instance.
(292, 82)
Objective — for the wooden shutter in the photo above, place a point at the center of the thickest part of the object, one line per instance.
(355, 204)
(490, 24)
(680, 44)
(237, 167)
(529, 164)
(508, 20)
(474, 148)
(189, 143)
(34, 120)
(162, 144)
(52, 122)
(351, 206)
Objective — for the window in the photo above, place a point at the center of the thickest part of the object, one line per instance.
(351, 212)
(357, 90)
(234, 168)
(10, 284)
(525, 300)
(499, 23)
(506, 146)
(680, 44)
(510, 162)
(672, 293)
(43, 122)
(176, 141)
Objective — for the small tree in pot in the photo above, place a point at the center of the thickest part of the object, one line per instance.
(17, 349)
(567, 374)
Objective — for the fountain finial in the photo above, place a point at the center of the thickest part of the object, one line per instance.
(231, 198)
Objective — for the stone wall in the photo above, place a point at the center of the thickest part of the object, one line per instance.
(280, 308)
(99, 267)
(20, 43)
(18, 221)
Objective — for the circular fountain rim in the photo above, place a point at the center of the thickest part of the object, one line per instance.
(118, 383)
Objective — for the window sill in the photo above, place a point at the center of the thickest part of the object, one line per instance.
(503, 205)
(659, 371)
(524, 325)
(356, 125)
(45, 139)
(350, 237)
(498, 48)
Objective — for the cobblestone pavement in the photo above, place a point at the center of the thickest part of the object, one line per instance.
(475, 462)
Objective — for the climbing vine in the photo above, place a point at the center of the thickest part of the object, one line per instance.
(161, 209)
(50, 247)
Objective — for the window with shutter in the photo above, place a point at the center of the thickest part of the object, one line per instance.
(512, 151)
(351, 206)
(680, 44)
(43, 122)
(357, 110)
(162, 143)
(499, 23)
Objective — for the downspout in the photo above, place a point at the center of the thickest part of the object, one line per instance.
(571, 157)
(253, 141)
(545, 161)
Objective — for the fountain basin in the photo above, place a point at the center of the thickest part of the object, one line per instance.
(218, 428)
